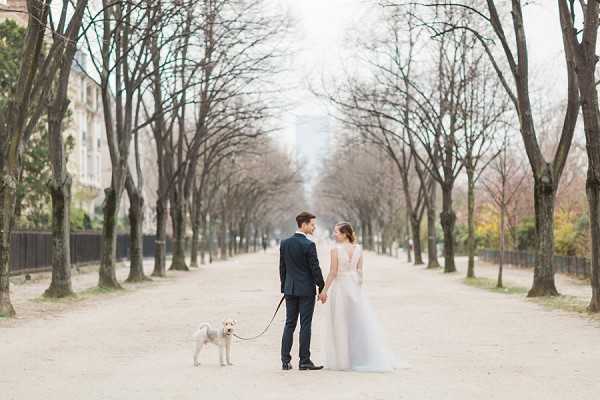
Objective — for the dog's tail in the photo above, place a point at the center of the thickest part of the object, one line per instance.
(200, 328)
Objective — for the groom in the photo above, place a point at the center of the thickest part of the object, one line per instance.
(299, 272)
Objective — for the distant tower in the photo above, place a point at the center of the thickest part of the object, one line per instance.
(312, 144)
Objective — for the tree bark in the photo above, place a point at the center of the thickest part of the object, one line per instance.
(196, 221)
(8, 188)
(407, 238)
(432, 256)
(415, 229)
(593, 196)
(209, 238)
(160, 253)
(580, 49)
(136, 235)
(499, 283)
(448, 220)
(178, 219)
(107, 277)
(471, 223)
(195, 245)
(544, 198)
(204, 239)
(60, 192)
(60, 285)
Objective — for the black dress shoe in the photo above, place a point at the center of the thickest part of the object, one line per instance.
(286, 366)
(310, 366)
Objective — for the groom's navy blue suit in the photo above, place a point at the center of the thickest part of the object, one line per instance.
(300, 273)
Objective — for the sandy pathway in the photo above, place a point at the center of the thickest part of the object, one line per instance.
(462, 342)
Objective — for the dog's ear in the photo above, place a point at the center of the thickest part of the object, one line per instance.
(235, 321)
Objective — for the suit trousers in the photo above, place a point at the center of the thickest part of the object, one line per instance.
(295, 306)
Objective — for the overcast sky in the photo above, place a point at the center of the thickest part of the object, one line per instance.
(323, 25)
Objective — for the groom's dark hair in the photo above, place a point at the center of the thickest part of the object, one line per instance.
(304, 218)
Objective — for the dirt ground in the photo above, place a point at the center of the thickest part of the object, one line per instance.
(461, 342)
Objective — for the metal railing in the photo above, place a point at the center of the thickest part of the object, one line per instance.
(32, 251)
(579, 266)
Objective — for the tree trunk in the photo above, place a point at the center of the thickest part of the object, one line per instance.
(209, 238)
(407, 241)
(471, 223)
(544, 198)
(363, 233)
(60, 189)
(60, 286)
(448, 220)
(232, 241)
(195, 220)
(223, 241)
(370, 234)
(223, 236)
(8, 188)
(432, 257)
(593, 195)
(195, 244)
(160, 252)
(415, 228)
(499, 283)
(136, 236)
(107, 273)
(204, 239)
(178, 218)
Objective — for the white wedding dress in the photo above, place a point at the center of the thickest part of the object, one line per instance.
(352, 337)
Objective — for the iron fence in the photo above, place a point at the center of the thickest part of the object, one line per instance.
(579, 266)
(31, 251)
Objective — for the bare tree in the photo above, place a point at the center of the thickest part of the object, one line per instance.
(380, 113)
(484, 106)
(501, 185)
(546, 173)
(580, 47)
(121, 37)
(25, 105)
(60, 183)
(239, 51)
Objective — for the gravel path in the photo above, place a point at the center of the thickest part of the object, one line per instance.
(462, 342)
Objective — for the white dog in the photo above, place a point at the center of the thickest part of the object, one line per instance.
(220, 337)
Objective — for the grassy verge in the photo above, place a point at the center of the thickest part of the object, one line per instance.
(82, 295)
(564, 303)
(490, 285)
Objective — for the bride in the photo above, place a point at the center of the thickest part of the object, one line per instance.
(352, 336)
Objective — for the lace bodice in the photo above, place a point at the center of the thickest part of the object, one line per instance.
(348, 263)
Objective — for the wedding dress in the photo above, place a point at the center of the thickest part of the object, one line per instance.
(352, 337)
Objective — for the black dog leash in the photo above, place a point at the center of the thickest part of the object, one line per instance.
(268, 326)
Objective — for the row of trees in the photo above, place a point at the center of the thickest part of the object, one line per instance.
(357, 186)
(441, 87)
(189, 77)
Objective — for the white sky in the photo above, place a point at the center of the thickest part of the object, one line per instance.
(323, 25)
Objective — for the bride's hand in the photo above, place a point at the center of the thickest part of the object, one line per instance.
(323, 297)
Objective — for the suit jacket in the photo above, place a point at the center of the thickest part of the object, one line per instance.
(299, 269)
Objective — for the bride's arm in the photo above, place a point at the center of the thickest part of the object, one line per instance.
(333, 270)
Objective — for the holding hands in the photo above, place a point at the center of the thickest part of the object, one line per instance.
(323, 297)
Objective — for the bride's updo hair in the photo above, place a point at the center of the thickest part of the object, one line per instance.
(346, 229)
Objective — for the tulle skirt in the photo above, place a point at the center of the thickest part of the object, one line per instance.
(352, 337)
